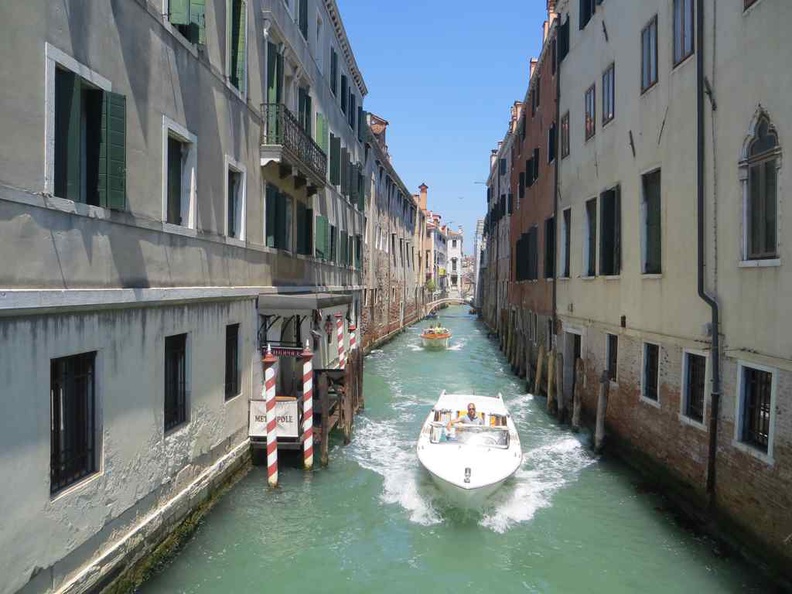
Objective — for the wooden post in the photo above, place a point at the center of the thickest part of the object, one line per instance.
(561, 398)
(527, 364)
(307, 359)
(272, 424)
(602, 408)
(577, 389)
(539, 365)
(551, 395)
(361, 394)
(324, 399)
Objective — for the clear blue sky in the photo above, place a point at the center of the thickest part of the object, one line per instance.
(444, 74)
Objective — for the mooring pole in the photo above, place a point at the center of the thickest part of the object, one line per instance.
(340, 337)
(307, 359)
(551, 395)
(576, 395)
(539, 366)
(272, 424)
(602, 408)
(561, 397)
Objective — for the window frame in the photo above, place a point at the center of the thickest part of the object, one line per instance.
(738, 440)
(691, 13)
(590, 118)
(653, 23)
(234, 388)
(645, 347)
(684, 387)
(183, 399)
(590, 233)
(565, 135)
(171, 129)
(609, 93)
(565, 253)
(232, 166)
(242, 90)
(91, 430)
(645, 222)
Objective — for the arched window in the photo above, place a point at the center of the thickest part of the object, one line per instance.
(761, 161)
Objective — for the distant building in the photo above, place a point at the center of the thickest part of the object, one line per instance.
(455, 261)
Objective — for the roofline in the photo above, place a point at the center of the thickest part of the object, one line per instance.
(335, 16)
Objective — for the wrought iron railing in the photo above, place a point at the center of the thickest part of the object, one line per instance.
(283, 128)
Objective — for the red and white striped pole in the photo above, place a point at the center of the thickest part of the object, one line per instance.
(307, 358)
(340, 337)
(272, 425)
(352, 337)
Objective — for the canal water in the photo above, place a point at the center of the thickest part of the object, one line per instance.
(374, 522)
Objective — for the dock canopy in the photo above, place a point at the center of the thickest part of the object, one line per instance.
(271, 303)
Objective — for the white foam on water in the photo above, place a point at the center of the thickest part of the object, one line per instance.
(545, 470)
(381, 449)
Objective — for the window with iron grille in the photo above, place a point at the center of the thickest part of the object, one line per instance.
(695, 382)
(757, 388)
(651, 362)
(683, 30)
(591, 111)
(175, 380)
(613, 356)
(609, 94)
(72, 420)
(232, 368)
(649, 55)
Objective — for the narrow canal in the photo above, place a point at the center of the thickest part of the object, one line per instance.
(373, 521)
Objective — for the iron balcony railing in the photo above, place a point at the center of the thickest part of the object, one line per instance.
(284, 129)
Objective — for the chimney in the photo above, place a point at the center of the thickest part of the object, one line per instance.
(534, 62)
(424, 198)
(545, 31)
(551, 10)
(493, 158)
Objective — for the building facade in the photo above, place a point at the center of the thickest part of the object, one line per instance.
(668, 260)
(455, 262)
(162, 196)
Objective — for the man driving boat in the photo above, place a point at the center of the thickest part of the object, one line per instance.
(469, 419)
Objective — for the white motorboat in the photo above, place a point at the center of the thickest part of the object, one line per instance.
(469, 458)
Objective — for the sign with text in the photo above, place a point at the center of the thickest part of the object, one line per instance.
(281, 351)
(286, 413)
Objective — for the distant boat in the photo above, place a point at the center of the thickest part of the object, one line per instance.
(435, 337)
(468, 462)
(432, 315)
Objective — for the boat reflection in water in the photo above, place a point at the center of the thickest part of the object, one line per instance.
(469, 459)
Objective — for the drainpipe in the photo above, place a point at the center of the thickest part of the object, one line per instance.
(706, 297)
(555, 182)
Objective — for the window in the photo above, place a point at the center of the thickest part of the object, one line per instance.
(175, 380)
(502, 166)
(72, 419)
(683, 30)
(608, 94)
(551, 143)
(344, 93)
(649, 55)
(566, 231)
(279, 219)
(694, 382)
(549, 248)
(89, 141)
(652, 231)
(563, 40)
(591, 111)
(237, 45)
(305, 109)
(302, 17)
(587, 8)
(232, 367)
(612, 356)
(235, 200)
(333, 243)
(453, 243)
(352, 110)
(590, 256)
(333, 71)
(304, 216)
(188, 17)
(761, 241)
(179, 175)
(322, 238)
(651, 366)
(610, 232)
(565, 135)
(334, 169)
(756, 407)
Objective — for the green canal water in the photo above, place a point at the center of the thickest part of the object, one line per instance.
(373, 521)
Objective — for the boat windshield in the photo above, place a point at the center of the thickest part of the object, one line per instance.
(473, 435)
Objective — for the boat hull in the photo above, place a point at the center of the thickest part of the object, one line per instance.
(435, 343)
(470, 498)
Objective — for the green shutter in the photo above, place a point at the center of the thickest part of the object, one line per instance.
(198, 21)
(321, 132)
(112, 153)
(335, 160)
(303, 18)
(271, 215)
(344, 163)
(320, 240)
(238, 43)
(179, 12)
(68, 111)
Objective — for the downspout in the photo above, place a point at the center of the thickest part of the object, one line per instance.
(709, 300)
(555, 182)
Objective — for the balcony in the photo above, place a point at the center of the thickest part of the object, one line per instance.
(285, 141)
